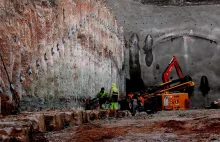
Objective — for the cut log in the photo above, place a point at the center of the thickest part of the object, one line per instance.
(103, 114)
(37, 118)
(50, 121)
(93, 115)
(69, 119)
(60, 121)
(85, 116)
(78, 117)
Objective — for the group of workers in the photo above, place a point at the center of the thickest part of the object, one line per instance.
(113, 98)
(113, 95)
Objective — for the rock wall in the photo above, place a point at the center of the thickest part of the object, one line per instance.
(189, 32)
(59, 52)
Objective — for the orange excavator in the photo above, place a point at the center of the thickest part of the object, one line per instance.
(171, 94)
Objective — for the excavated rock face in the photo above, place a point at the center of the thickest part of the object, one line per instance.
(59, 52)
(188, 29)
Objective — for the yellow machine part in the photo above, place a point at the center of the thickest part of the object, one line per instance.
(179, 86)
(167, 99)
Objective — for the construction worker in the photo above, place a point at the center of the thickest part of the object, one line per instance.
(102, 96)
(130, 98)
(130, 95)
(114, 95)
(140, 100)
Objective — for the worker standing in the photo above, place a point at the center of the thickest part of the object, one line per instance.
(130, 95)
(114, 95)
(130, 99)
(102, 96)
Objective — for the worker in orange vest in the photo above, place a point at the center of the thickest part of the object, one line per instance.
(141, 99)
(130, 95)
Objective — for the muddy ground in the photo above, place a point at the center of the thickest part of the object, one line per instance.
(165, 126)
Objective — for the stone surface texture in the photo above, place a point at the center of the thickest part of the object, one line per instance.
(63, 50)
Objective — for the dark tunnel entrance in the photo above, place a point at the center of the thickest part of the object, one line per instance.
(134, 85)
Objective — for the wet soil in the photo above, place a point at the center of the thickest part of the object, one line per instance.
(166, 126)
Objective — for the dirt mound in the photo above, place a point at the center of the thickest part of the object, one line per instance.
(209, 125)
(173, 124)
(90, 133)
(88, 127)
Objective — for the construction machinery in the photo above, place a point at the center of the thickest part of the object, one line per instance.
(171, 94)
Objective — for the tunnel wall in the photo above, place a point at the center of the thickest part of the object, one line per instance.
(59, 52)
(188, 30)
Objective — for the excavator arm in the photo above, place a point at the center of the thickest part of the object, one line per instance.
(185, 82)
(166, 73)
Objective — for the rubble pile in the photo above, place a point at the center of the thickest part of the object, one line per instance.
(215, 104)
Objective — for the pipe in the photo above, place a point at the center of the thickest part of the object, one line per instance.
(6, 71)
(14, 97)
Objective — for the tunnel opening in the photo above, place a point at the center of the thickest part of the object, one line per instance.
(134, 85)
(204, 86)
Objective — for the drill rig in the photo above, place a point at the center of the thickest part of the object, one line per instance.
(171, 94)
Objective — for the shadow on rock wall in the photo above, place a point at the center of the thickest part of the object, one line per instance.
(135, 83)
(148, 50)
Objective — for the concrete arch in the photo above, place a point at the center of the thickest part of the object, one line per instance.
(180, 33)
